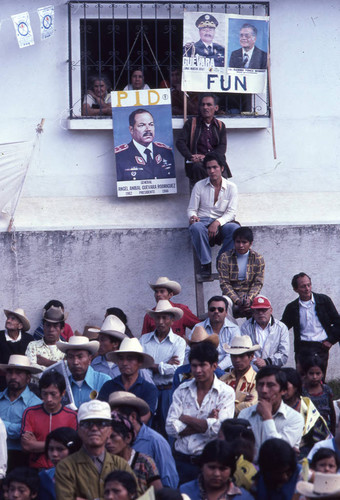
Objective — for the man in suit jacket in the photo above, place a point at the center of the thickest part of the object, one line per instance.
(143, 158)
(314, 318)
(248, 56)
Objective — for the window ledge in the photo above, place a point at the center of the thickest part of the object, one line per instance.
(235, 122)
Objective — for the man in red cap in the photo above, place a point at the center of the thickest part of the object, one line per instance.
(268, 332)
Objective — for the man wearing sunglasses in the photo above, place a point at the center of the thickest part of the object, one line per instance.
(218, 323)
(82, 474)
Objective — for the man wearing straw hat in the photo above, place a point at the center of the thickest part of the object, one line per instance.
(13, 340)
(147, 440)
(242, 376)
(165, 289)
(167, 349)
(183, 373)
(84, 380)
(13, 402)
(44, 352)
(109, 337)
(130, 359)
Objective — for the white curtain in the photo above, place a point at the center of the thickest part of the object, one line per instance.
(14, 158)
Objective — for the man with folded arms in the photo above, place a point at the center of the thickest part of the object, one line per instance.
(242, 376)
(167, 349)
(81, 475)
(198, 408)
(130, 359)
(165, 289)
(13, 402)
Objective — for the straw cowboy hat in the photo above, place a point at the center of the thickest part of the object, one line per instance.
(20, 314)
(164, 282)
(200, 335)
(122, 398)
(114, 327)
(20, 362)
(164, 307)
(324, 486)
(131, 346)
(54, 315)
(79, 343)
(241, 345)
(90, 331)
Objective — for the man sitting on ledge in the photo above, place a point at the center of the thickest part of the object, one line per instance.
(211, 212)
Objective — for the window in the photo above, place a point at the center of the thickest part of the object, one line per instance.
(110, 39)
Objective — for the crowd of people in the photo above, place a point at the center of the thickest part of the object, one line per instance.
(205, 409)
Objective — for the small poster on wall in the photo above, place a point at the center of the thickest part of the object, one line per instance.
(143, 140)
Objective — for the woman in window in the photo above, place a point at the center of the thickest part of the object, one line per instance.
(97, 100)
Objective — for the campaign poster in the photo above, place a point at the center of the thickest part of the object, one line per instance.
(143, 141)
(248, 41)
(229, 54)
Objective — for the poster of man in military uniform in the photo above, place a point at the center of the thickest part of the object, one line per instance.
(142, 130)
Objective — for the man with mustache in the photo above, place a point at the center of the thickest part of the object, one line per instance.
(143, 158)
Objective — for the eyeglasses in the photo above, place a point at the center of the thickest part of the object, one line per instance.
(219, 309)
(88, 424)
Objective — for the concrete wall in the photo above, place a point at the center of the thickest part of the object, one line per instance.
(305, 84)
(92, 270)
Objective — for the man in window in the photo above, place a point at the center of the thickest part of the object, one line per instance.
(205, 46)
(143, 158)
(248, 56)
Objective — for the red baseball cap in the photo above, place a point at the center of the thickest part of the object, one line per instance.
(261, 302)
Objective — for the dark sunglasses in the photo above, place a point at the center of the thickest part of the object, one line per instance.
(219, 309)
(88, 424)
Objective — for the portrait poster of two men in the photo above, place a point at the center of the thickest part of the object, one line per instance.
(143, 140)
(225, 53)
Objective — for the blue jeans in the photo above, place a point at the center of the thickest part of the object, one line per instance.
(200, 240)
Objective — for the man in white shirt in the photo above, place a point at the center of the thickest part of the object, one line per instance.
(271, 417)
(197, 410)
(314, 318)
(218, 323)
(268, 332)
(167, 350)
(211, 212)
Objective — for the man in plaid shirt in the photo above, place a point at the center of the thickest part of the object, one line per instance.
(241, 273)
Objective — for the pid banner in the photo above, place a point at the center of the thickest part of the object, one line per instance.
(143, 140)
(225, 53)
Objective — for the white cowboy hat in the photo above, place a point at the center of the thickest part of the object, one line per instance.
(122, 398)
(131, 346)
(241, 345)
(114, 327)
(324, 486)
(79, 343)
(164, 282)
(20, 362)
(20, 314)
(200, 335)
(164, 307)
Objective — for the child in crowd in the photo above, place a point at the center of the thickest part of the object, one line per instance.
(241, 272)
(319, 392)
(59, 444)
(22, 483)
(325, 460)
(120, 485)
